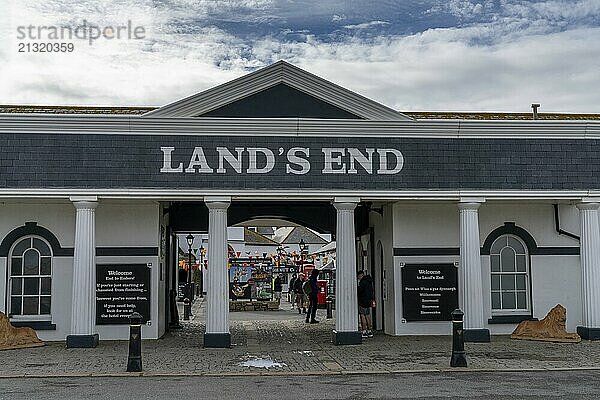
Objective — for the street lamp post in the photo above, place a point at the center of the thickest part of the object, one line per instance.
(279, 252)
(302, 247)
(201, 271)
(190, 241)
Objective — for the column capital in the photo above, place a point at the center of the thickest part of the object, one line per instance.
(346, 200)
(83, 198)
(468, 206)
(217, 202)
(217, 199)
(85, 204)
(345, 206)
(469, 199)
(587, 205)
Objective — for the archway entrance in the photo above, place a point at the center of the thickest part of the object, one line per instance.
(211, 219)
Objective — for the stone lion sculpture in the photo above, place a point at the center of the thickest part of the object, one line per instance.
(550, 329)
(14, 338)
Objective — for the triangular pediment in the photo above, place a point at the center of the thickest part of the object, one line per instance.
(280, 101)
(280, 90)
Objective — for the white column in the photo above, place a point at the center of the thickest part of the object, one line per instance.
(83, 301)
(346, 302)
(217, 316)
(590, 270)
(470, 267)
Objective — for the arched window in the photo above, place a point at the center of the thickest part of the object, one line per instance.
(30, 269)
(509, 267)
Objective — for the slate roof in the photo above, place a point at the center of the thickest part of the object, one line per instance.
(500, 116)
(253, 238)
(293, 235)
(265, 230)
(92, 110)
(108, 110)
(327, 248)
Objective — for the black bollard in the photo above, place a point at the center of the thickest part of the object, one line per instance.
(459, 359)
(329, 307)
(187, 309)
(134, 359)
(190, 295)
(174, 312)
(192, 291)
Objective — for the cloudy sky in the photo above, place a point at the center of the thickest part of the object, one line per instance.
(442, 55)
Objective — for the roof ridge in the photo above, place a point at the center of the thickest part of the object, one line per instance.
(140, 110)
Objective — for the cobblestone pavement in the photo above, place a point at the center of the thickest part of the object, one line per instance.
(282, 342)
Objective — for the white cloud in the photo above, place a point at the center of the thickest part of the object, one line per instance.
(553, 9)
(465, 8)
(366, 25)
(521, 55)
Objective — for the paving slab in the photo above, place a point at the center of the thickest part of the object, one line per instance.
(281, 343)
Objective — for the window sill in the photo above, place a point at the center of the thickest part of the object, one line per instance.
(510, 319)
(36, 325)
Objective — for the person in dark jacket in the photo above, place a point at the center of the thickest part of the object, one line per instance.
(312, 297)
(300, 293)
(291, 293)
(277, 287)
(366, 297)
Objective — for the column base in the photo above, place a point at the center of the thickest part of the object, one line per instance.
(82, 341)
(217, 340)
(588, 333)
(477, 335)
(342, 338)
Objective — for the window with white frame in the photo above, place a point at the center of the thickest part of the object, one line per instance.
(30, 268)
(509, 267)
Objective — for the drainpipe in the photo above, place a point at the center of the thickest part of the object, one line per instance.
(557, 225)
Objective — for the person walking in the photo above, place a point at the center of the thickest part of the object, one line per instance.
(366, 298)
(277, 287)
(291, 292)
(312, 296)
(300, 293)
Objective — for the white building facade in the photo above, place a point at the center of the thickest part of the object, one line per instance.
(497, 217)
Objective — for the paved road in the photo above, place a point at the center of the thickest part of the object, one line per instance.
(449, 385)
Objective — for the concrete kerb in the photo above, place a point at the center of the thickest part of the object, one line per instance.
(290, 373)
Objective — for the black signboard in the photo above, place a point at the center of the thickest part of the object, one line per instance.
(122, 289)
(250, 279)
(285, 269)
(240, 290)
(429, 291)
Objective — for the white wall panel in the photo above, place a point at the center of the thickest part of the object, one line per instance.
(426, 225)
(127, 224)
(554, 278)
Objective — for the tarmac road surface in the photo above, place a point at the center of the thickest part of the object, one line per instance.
(547, 385)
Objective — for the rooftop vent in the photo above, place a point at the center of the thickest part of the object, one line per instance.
(535, 107)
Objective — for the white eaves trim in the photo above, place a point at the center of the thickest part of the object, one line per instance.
(303, 195)
(136, 125)
(279, 72)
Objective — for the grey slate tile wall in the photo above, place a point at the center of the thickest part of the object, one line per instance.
(134, 161)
